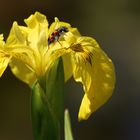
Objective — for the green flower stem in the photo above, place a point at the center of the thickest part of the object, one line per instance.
(47, 105)
(68, 131)
(44, 125)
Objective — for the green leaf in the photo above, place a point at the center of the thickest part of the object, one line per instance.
(45, 127)
(55, 89)
(68, 131)
(47, 107)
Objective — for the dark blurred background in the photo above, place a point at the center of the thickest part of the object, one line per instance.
(115, 24)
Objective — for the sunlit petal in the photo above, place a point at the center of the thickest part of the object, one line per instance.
(94, 69)
(22, 72)
(38, 35)
(16, 36)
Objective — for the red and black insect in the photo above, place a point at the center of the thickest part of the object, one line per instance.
(56, 34)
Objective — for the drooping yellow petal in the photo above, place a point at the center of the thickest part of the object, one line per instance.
(93, 68)
(100, 87)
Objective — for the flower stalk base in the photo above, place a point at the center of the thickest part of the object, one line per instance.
(47, 105)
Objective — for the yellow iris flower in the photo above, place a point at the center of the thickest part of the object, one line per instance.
(30, 57)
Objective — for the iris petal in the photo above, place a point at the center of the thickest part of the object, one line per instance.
(98, 79)
(22, 72)
(16, 36)
(38, 35)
